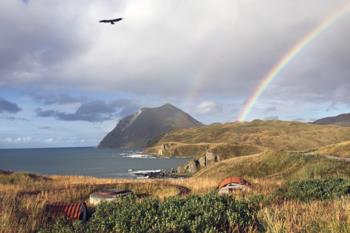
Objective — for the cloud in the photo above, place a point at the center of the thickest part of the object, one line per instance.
(49, 140)
(173, 45)
(94, 111)
(45, 127)
(271, 118)
(49, 99)
(208, 107)
(8, 107)
(270, 109)
(15, 140)
(173, 49)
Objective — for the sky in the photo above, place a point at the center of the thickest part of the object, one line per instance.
(66, 79)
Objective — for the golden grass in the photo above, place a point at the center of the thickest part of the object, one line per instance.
(339, 150)
(22, 204)
(24, 212)
(317, 216)
(277, 135)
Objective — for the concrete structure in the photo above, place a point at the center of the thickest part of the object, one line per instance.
(107, 195)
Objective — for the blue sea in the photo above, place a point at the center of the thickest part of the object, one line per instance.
(86, 161)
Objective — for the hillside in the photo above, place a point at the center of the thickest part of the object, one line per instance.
(341, 150)
(277, 165)
(214, 144)
(276, 135)
(343, 119)
(139, 128)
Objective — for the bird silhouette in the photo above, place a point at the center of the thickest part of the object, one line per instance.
(111, 21)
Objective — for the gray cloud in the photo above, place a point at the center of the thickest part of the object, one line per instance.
(45, 127)
(61, 99)
(271, 118)
(208, 107)
(94, 111)
(175, 48)
(270, 109)
(8, 107)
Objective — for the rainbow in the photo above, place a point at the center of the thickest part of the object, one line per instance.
(285, 60)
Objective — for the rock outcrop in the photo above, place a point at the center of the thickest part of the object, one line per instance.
(196, 164)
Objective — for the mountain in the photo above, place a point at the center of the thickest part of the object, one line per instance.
(343, 119)
(138, 129)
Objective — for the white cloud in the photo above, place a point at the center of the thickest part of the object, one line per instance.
(48, 140)
(208, 107)
(17, 140)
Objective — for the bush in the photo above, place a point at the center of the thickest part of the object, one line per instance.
(209, 213)
(309, 190)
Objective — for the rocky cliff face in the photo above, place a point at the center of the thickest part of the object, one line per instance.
(203, 154)
(195, 165)
(138, 129)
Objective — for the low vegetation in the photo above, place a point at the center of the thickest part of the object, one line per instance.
(23, 197)
(341, 150)
(280, 165)
(311, 205)
(208, 213)
(276, 135)
(310, 190)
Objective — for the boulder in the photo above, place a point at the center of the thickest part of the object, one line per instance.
(193, 166)
(210, 158)
(202, 161)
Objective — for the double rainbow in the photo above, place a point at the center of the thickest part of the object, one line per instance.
(291, 53)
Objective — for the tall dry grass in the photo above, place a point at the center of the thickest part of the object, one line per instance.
(317, 216)
(23, 197)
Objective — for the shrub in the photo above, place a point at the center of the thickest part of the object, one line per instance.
(317, 189)
(208, 213)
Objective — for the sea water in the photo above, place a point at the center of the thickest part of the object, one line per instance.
(85, 161)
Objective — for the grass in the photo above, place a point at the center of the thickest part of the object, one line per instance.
(341, 150)
(23, 197)
(276, 135)
(315, 189)
(316, 216)
(23, 210)
(280, 165)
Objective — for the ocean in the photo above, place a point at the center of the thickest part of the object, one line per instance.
(85, 161)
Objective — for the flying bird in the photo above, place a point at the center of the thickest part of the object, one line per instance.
(111, 21)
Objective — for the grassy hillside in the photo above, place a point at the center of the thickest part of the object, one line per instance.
(277, 135)
(277, 166)
(339, 150)
(196, 150)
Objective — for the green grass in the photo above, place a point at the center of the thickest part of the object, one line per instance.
(310, 190)
(278, 165)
